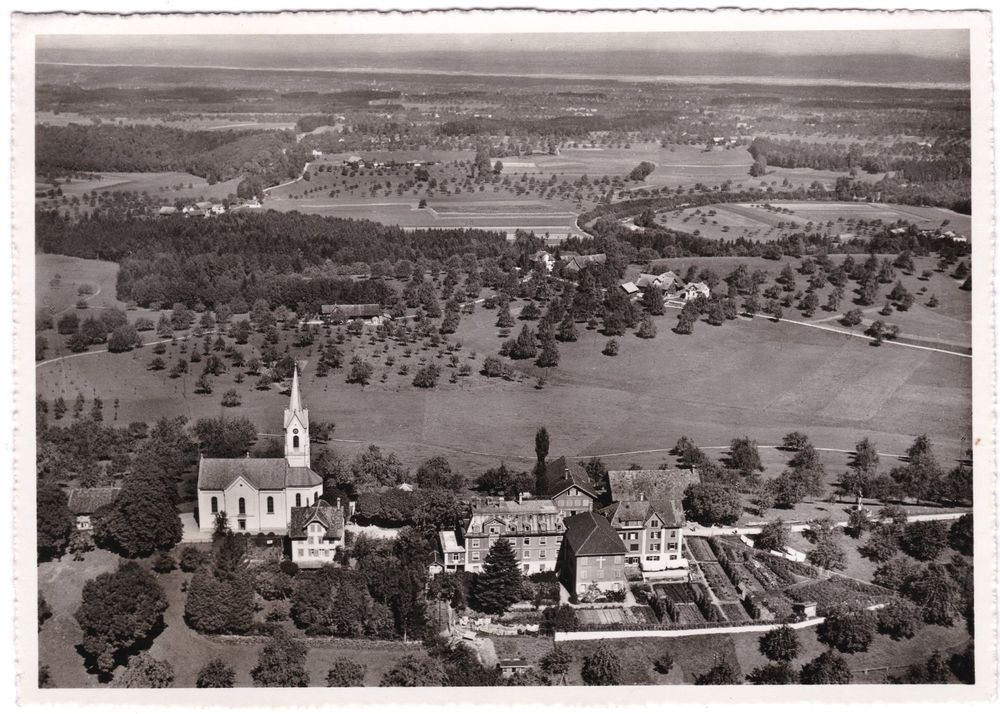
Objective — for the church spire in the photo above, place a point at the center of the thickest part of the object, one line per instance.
(296, 427)
(295, 403)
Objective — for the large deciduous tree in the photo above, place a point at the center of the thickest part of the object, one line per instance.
(117, 610)
(281, 663)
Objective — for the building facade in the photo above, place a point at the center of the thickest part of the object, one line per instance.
(569, 487)
(258, 495)
(316, 533)
(533, 527)
(592, 557)
(653, 542)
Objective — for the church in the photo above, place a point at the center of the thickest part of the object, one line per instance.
(259, 495)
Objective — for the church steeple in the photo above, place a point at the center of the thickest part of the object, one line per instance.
(296, 427)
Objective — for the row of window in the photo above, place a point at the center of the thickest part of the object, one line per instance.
(318, 553)
(242, 503)
(474, 542)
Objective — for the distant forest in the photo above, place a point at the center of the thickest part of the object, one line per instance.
(251, 256)
(269, 156)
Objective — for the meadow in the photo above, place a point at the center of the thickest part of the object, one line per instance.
(167, 186)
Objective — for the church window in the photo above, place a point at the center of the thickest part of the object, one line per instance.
(298, 500)
(215, 504)
(315, 496)
(243, 506)
(295, 442)
(270, 504)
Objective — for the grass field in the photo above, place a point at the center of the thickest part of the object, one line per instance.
(757, 222)
(168, 186)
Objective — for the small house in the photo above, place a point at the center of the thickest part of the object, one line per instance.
(316, 533)
(84, 502)
(593, 555)
(569, 487)
(371, 313)
(510, 667)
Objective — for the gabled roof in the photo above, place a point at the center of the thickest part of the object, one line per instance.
(84, 501)
(320, 512)
(361, 310)
(662, 488)
(629, 288)
(590, 534)
(561, 474)
(622, 513)
(263, 474)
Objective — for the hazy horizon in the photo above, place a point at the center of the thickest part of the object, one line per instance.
(890, 57)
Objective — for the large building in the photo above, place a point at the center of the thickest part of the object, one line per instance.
(662, 492)
(258, 495)
(593, 556)
(533, 527)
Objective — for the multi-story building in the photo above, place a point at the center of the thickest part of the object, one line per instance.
(569, 487)
(652, 538)
(593, 555)
(316, 533)
(533, 527)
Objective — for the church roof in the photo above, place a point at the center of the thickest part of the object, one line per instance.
(322, 512)
(263, 474)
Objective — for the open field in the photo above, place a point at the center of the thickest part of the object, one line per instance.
(58, 279)
(834, 388)
(189, 122)
(168, 186)
(763, 222)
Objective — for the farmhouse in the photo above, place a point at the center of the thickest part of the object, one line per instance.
(316, 532)
(371, 313)
(579, 262)
(592, 557)
(692, 291)
(569, 487)
(259, 495)
(666, 282)
(84, 502)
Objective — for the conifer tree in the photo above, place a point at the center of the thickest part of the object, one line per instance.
(499, 585)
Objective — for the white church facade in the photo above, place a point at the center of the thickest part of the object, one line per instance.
(259, 495)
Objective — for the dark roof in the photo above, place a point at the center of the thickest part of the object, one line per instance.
(515, 662)
(263, 474)
(363, 310)
(84, 501)
(322, 512)
(561, 474)
(662, 488)
(627, 511)
(590, 534)
(582, 261)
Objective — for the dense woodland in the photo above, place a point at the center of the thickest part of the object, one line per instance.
(251, 256)
(270, 156)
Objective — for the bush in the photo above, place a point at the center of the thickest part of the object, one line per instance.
(346, 673)
(289, 567)
(427, 377)
(192, 559)
(164, 563)
(610, 348)
(899, 619)
(924, 540)
(602, 668)
(848, 628)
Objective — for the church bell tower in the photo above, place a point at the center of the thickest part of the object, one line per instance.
(296, 427)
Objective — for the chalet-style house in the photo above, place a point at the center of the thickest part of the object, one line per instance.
(533, 527)
(569, 487)
(663, 491)
(592, 556)
(84, 502)
(692, 291)
(258, 495)
(316, 533)
(667, 281)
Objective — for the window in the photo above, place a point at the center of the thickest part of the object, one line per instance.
(527, 541)
(243, 524)
(673, 557)
(526, 555)
(298, 500)
(673, 534)
(541, 541)
(215, 504)
(475, 556)
(270, 504)
(243, 506)
(618, 558)
(654, 523)
(312, 552)
(652, 557)
(633, 547)
(654, 547)
(302, 552)
(315, 496)
(541, 554)
(475, 543)
(295, 442)
(655, 535)
(493, 530)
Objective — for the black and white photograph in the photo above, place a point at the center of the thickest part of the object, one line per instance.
(505, 350)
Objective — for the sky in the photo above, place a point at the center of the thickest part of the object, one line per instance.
(920, 43)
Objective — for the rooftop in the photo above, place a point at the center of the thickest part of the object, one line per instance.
(561, 473)
(591, 534)
(272, 474)
(84, 501)
(321, 512)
